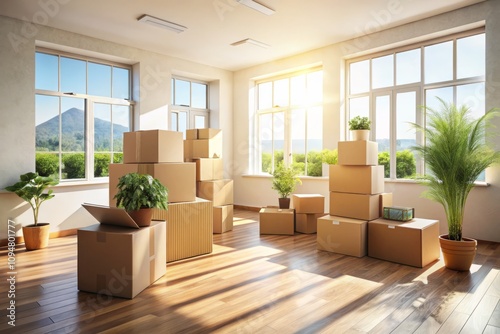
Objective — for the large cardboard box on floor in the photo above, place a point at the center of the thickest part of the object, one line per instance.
(307, 222)
(414, 243)
(189, 228)
(359, 152)
(153, 146)
(208, 169)
(120, 261)
(342, 235)
(179, 178)
(357, 179)
(308, 203)
(220, 192)
(223, 218)
(277, 221)
(208, 148)
(357, 206)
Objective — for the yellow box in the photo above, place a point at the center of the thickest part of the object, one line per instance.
(357, 206)
(220, 192)
(359, 152)
(153, 146)
(308, 203)
(192, 134)
(342, 235)
(357, 179)
(208, 169)
(307, 222)
(277, 221)
(207, 148)
(223, 218)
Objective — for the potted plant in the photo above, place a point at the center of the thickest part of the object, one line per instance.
(455, 154)
(285, 180)
(31, 188)
(139, 194)
(328, 157)
(360, 128)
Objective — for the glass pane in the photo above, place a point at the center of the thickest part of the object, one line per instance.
(47, 135)
(406, 104)
(278, 137)
(102, 139)
(99, 82)
(298, 90)
(471, 56)
(314, 141)
(431, 95)
(315, 87)
(281, 93)
(438, 62)
(383, 131)
(121, 124)
(265, 95)
(266, 142)
(199, 95)
(298, 132)
(46, 71)
(183, 122)
(73, 137)
(73, 76)
(121, 83)
(408, 67)
(182, 93)
(383, 72)
(173, 121)
(473, 96)
(199, 122)
(359, 107)
(359, 77)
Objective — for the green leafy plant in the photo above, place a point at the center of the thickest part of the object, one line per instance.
(140, 191)
(329, 156)
(31, 188)
(359, 123)
(285, 179)
(46, 164)
(455, 154)
(74, 165)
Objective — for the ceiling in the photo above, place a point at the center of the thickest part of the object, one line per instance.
(296, 26)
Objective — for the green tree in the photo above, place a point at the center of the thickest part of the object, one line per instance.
(47, 164)
(74, 165)
(405, 164)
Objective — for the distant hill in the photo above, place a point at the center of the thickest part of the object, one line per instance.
(73, 133)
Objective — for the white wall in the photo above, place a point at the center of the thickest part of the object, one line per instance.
(152, 79)
(482, 210)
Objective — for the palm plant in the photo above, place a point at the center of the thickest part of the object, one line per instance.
(455, 154)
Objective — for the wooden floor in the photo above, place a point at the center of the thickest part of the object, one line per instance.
(259, 284)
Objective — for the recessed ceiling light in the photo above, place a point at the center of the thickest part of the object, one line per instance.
(257, 6)
(251, 41)
(161, 23)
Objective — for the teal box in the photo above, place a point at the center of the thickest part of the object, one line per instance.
(402, 214)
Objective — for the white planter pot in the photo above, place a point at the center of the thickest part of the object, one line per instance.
(360, 134)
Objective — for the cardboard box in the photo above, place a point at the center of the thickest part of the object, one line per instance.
(398, 213)
(308, 203)
(189, 228)
(359, 152)
(209, 169)
(357, 206)
(223, 218)
(307, 222)
(209, 133)
(342, 235)
(385, 200)
(208, 148)
(179, 178)
(277, 221)
(120, 261)
(220, 192)
(153, 146)
(192, 134)
(188, 150)
(357, 179)
(414, 243)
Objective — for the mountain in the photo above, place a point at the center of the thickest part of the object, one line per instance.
(73, 133)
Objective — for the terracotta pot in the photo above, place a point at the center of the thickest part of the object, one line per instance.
(36, 237)
(458, 255)
(284, 203)
(142, 217)
(360, 134)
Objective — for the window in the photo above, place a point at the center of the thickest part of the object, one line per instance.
(189, 105)
(82, 109)
(290, 123)
(390, 87)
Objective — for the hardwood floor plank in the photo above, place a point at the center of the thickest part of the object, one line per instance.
(478, 320)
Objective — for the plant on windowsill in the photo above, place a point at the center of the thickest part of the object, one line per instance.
(285, 179)
(31, 188)
(139, 194)
(360, 128)
(456, 152)
(328, 157)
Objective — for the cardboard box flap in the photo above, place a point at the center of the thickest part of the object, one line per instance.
(110, 216)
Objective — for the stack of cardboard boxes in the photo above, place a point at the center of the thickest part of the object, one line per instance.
(204, 147)
(308, 208)
(160, 153)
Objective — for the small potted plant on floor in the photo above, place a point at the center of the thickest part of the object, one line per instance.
(31, 188)
(455, 153)
(360, 128)
(139, 194)
(285, 179)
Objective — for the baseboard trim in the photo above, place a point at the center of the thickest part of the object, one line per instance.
(53, 235)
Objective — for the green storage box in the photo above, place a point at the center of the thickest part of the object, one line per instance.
(399, 213)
